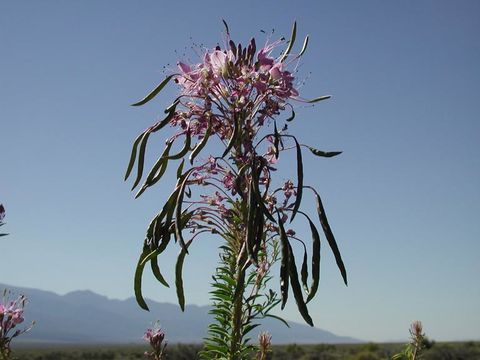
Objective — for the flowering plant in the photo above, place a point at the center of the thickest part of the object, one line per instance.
(232, 95)
(11, 315)
(2, 216)
(155, 337)
(413, 350)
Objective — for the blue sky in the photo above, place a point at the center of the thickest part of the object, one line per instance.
(403, 199)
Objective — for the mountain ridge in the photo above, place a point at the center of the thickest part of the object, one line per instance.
(85, 317)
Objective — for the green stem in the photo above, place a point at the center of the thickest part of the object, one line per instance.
(236, 332)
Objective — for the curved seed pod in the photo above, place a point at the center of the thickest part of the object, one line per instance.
(143, 138)
(259, 225)
(173, 105)
(254, 48)
(154, 92)
(315, 258)
(186, 148)
(298, 199)
(320, 98)
(233, 47)
(323, 153)
(202, 143)
(233, 138)
(304, 269)
(138, 280)
(226, 27)
(133, 156)
(304, 47)
(180, 168)
(291, 116)
(157, 171)
(141, 158)
(178, 275)
(161, 124)
(260, 201)
(284, 266)
(178, 211)
(276, 139)
(329, 235)
(297, 289)
(290, 43)
(156, 271)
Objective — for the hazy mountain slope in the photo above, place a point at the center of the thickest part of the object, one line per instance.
(86, 317)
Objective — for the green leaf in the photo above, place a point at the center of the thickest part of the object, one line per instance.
(329, 235)
(284, 265)
(324, 153)
(278, 318)
(178, 275)
(297, 289)
(290, 43)
(298, 199)
(320, 98)
(178, 207)
(154, 92)
(138, 281)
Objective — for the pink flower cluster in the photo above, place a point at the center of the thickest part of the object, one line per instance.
(156, 339)
(235, 84)
(11, 315)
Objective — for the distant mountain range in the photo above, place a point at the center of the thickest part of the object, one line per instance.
(88, 318)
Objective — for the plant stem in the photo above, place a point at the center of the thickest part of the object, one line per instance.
(236, 334)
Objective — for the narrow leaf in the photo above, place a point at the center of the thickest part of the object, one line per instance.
(154, 92)
(278, 318)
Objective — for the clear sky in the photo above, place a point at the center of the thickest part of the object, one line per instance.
(403, 199)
